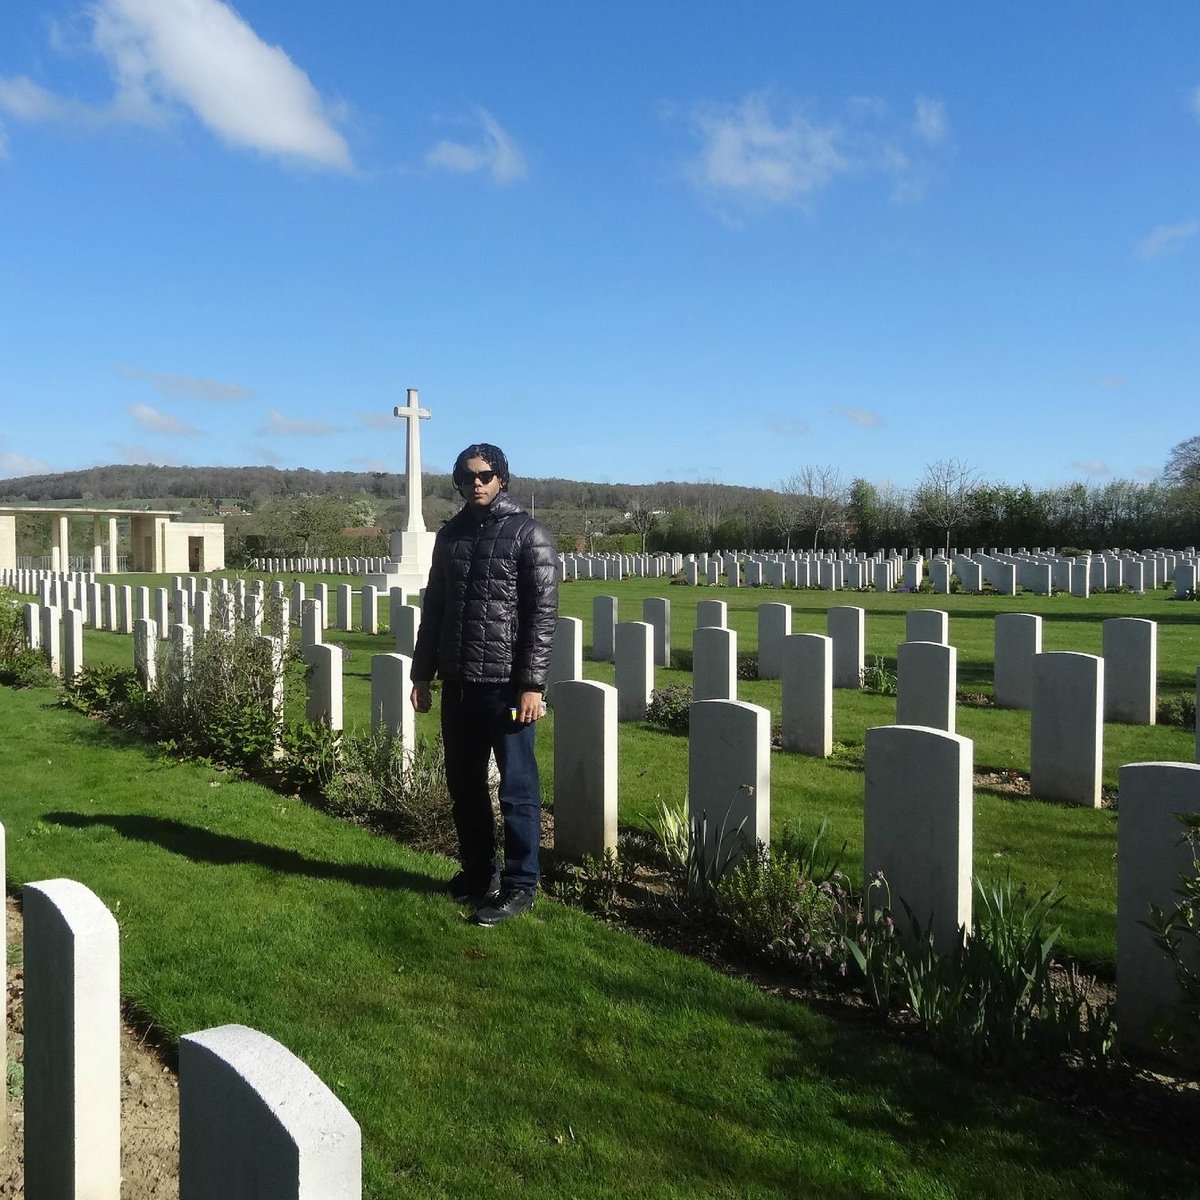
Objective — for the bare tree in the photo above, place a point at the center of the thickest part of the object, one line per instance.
(817, 497)
(1183, 464)
(943, 496)
(642, 516)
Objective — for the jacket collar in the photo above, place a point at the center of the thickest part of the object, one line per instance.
(503, 506)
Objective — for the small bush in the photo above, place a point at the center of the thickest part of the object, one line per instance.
(1178, 710)
(878, 677)
(19, 666)
(747, 666)
(112, 693)
(371, 778)
(669, 708)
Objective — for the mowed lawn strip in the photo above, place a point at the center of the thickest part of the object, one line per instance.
(552, 1057)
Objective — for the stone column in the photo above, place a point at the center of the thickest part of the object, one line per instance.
(926, 675)
(847, 627)
(604, 625)
(97, 546)
(714, 663)
(1066, 743)
(324, 685)
(72, 643)
(729, 776)
(51, 645)
(634, 669)
(250, 1111)
(807, 674)
(72, 1044)
(656, 611)
(391, 707)
(774, 625)
(585, 768)
(1130, 670)
(927, 625)
(112, 544)
(1150, 860)
(1018, 639)
(918, 826)
(566, 658)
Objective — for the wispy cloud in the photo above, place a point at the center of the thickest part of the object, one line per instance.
(130, 452)
(366, 462)
(860, 416)
(929, 123)
(14, 464)
(769, 151)
(1110, 383)
(790, 427)
(1147, 473)
(281, 426)
(160, 422)
(493, 152)
(1166, 239)
(1091, 466)
(186, 387)
(199, 55)
(374, 420)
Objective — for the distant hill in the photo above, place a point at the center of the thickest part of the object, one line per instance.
(223, 485)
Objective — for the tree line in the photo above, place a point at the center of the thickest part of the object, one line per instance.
(343, 512)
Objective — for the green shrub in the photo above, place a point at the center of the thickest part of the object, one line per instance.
(878, 677)
(19, 666)
(223, 708)
(669, 708)
(1178, 710)
(788, 902)
(304, 755)
(747, 666)
(371, 778)
(112, 693)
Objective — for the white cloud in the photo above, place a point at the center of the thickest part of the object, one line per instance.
(130, 452)
(368, 463)
(1091, 466)
(186, 387)
(374, 420)
(14, 464)
(930, 123)
(1166, 239)
(746, 150)
(201, 55)
(276, 423)
(160, 422)
(783, 426)
(860, 416)
(767, 151)
(495, 153)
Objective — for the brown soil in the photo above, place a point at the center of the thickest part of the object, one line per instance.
(149, 1102)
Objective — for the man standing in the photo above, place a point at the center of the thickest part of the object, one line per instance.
(487, 629)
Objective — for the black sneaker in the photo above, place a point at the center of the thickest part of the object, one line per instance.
(511, 902)
(469, 889)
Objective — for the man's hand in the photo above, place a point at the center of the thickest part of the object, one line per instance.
(421, 698)
(529, 707)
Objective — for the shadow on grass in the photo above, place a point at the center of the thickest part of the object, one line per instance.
(220, 849)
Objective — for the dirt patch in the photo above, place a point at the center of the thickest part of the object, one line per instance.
(149, 1100)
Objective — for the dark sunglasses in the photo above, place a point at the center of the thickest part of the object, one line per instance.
(483, 476)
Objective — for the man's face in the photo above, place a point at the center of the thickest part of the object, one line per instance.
(474, 490)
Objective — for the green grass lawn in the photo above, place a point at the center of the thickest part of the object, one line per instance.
(553, 1057)
(1043, 844)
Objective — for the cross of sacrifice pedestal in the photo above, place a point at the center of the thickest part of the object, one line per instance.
(414, 415)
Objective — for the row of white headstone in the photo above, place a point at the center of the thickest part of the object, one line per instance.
(918, 816)
(254, 1120)
(318, 566)
(1037, 572)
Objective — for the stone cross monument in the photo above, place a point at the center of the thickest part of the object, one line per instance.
(414, 415)
(411, 553)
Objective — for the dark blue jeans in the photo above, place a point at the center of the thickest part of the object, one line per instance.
(476, 719)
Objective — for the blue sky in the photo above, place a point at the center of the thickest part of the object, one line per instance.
(625, 241)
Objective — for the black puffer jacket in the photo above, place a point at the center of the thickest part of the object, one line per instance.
(491, 603)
